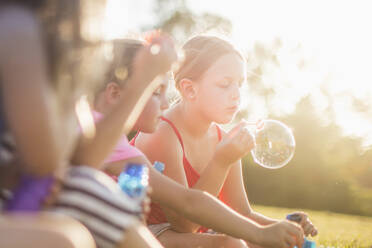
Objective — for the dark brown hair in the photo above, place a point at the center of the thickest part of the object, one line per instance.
(121, 67)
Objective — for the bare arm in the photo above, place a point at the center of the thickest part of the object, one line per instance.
(28, 100)
(206, 210)
(236, 197)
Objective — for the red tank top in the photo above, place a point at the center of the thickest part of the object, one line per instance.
(156, 215)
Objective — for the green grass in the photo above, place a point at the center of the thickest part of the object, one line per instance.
(335, 230)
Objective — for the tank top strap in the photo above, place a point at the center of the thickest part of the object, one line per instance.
(133, 140)
(219, 132)
(175, 131)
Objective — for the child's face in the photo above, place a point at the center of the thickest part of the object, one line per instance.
(158, 102)
(218, 90)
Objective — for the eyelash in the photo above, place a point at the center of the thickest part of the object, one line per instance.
(225, 84)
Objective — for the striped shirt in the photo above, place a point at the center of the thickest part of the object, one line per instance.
(94, 199)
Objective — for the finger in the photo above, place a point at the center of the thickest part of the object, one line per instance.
(248, 141)
(296, 230)
(304, 218)
(244, 137)
(251, 141)
(290, 241)
(301, 217)
(235, 130)
(293, 241)
(314, 232)
(308, 228)
(243, 133)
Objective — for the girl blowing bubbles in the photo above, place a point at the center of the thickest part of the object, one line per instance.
(197, 153)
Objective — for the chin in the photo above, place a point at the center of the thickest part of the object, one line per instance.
(224, 119)
(150, 128)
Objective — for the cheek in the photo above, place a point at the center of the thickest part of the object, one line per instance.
(214, 99)
(214, 104)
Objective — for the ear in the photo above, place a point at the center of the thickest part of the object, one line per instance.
(112, 92)
(188, 88)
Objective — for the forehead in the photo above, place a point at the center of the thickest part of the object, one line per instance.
(229, 65)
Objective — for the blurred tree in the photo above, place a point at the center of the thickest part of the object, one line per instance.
(177, 19)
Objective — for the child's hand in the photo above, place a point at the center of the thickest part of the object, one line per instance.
(281, 234)
(237, 143)
(306, 224)
(155, 58)
(260, 124)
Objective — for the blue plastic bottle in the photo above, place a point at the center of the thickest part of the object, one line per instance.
(133, 181)
(159, 166)
(307, 243)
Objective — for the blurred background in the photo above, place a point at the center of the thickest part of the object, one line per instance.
(308, 66)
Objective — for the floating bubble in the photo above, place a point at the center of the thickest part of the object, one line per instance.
(274, 145)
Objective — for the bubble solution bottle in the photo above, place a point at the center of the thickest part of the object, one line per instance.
(133, 181)
(307, 243)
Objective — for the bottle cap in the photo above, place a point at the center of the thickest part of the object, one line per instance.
(159, 166)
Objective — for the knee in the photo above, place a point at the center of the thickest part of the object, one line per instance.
(42, 230)
(230, 242)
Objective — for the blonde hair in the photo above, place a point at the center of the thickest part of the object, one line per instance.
(200, 53)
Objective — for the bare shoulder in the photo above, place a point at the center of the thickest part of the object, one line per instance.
(163, 136)
(162, 145)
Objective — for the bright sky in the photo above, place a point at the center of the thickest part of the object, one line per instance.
(335, 37)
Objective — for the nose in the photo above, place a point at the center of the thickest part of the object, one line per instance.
(235, 94)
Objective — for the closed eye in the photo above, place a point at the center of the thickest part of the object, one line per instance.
(225, 82)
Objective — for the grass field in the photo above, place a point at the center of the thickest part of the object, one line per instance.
(335, 230)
